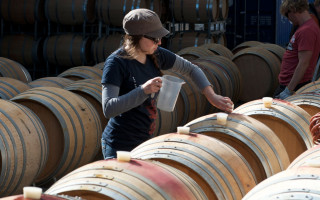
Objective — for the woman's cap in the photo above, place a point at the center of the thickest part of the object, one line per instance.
(143, 22)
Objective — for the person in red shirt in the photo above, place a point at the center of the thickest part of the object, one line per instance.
(299, 60)
(314, 10)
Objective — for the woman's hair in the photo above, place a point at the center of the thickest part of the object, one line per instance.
(131, 46)
(293, 6)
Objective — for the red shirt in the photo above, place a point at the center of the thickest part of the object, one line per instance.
(307, 37)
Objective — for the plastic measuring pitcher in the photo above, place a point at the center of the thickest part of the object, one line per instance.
(169, 92)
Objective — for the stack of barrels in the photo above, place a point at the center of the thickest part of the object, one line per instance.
(244, 157)
(73, 31)
(51, 130)
(49, 126)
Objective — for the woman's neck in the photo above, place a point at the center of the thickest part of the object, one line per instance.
(141, 57)
(138, 55)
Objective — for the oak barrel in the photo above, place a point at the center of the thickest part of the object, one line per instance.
(102, 47)
(288, 121)
(99, 65)
(10, 87)
(24, 147)
(90, 89)
(314, 86)
(310, 102)
(42, 197)
(226, 72)
(259, 69)
(72, 125)
(218, 49)
(309, 158)
(219, 169)
(59, 82)
(181, 40)
(191, 103)
(82, 72)
(69, 12)
(67, 50)
(136, 179)
(223, 9)
(112, 12)
(245, 45)
(195, 11)
(13, 69)
(277, 50)
(24, 49)
(22, 12)
(299, 183)
(256, 142)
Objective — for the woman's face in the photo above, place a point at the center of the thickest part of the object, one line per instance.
(148, 46)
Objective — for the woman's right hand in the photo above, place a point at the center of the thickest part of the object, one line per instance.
(152, 85)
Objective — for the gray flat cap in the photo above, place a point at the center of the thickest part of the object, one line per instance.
(144, 22)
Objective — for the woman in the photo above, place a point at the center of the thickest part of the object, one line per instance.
(132, 74)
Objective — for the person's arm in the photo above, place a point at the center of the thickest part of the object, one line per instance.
(304, 61)
(185, 67)
(113, 104)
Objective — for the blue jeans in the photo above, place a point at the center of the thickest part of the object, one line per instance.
(107, 150)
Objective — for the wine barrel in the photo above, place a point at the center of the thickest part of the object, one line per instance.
(218, 49)
(221, 38)
(182, 40)
(90, 89)
(22, 12)
(219, 169)
(13, 69)
(228, 71)
(220, 74)
(314, 87)
(10, 87)
(193, 53)
(99, 65)
(223, 9)
(288, 121)
(309, 158)
(50, 82)
(82, 72)
(192, 11)
(137, 179)
(300, 183)
(73, 128)
(310, 102)
(42, 197)
(259, 69)
(24, 49)
(167, 122)
(112, 12)
(277, 50)
(67, 50)
(104, 46)
(190, 103)
(245, 45)
(69, 12)
(256, 142)
(24, 147)
(217, 81)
